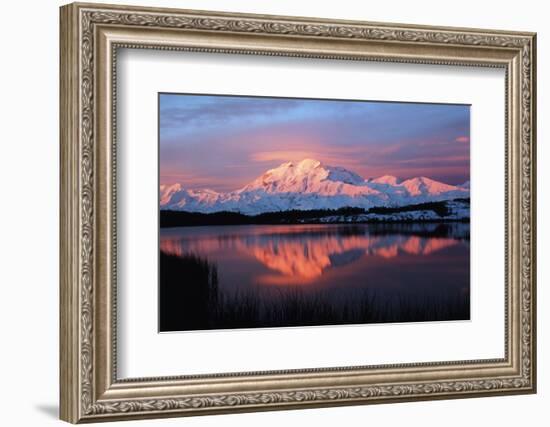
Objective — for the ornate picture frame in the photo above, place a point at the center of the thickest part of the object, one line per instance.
(90, 37)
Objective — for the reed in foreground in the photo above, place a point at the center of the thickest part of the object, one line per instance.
(191, 299)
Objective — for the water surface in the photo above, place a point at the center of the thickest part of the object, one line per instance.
(220, 277)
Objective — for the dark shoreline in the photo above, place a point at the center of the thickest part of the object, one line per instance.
(170, 218)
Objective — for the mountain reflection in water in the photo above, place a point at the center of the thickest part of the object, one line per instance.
(303, 253)
(334, 263)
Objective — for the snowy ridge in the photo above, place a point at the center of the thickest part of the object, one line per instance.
(458, 210)
(309, 184)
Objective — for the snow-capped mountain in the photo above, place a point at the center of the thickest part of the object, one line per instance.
(310, 184)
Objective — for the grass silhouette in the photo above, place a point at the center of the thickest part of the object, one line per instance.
(190, 299)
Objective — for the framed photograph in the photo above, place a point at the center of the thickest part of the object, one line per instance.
(306, 243)
(266, 212)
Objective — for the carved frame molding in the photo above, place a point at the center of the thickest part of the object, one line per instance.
(90, 37)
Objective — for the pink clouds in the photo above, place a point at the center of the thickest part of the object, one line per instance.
(282, 156)
(223, 143)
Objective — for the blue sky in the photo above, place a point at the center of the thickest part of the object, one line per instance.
(223, 142)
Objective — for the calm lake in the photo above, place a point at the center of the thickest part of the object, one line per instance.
(248, 276)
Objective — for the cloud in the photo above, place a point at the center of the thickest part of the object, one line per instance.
(283, 156)
(223, 142)
(179, 111)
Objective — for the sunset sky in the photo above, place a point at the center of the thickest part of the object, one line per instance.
(224, 142)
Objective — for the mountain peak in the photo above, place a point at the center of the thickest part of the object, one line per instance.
(386, 179)
(308, 164)
(303, 165)
(305, 176)
(421, 185)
